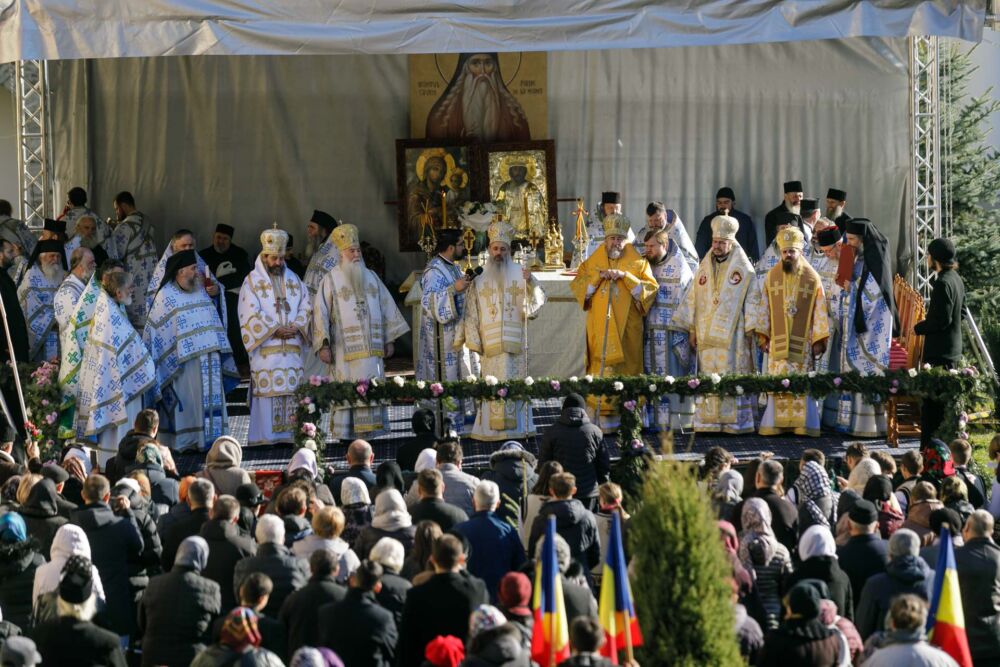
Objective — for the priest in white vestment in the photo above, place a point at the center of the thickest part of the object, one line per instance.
(183, 239)
(659, 217)
(499, 302)
(324, 257)
(132, 242)
(116, 371)
(36, 293)
(825, 259)
(712, 314)
(81, 268)
(354, 324)
(193, 357)
(274, 317)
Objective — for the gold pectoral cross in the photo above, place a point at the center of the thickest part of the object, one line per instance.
(488, 293)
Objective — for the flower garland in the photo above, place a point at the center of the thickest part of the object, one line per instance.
(960, 385)
(42, 400)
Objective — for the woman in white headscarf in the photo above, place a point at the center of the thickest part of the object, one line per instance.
(426, 460)
(70, 540)
(727, 494)
(818, 553)
(391, 520)
(357, 507)
(761, 553)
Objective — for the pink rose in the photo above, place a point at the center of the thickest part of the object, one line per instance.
(502, 392)
(362, 389)
(630, 405)
(314, 380)
(50, 418)
(694, 382)
(309, 429)
(555, 385)
(786, 383)
(836, 382)
(437, 389)
(893, 390)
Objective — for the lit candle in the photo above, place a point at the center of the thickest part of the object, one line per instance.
(444, 211)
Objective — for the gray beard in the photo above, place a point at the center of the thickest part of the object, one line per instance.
(54, 273)
(614, 254)
(797, 209)
(496, 271)
(355, 275)
(90, 242)
(480, 104)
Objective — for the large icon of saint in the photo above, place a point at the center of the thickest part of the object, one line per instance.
(477, 104)
(522, 200)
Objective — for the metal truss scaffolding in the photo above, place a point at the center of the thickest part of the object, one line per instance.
(33, 157)
(925, 156)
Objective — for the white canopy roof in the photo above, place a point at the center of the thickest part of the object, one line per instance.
(69, 29)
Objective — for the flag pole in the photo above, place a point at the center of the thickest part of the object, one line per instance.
(552, 624)
(629, 653)
(17, 378)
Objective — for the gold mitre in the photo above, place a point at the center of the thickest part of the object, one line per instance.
(500, 231)
(345, 236)
(273, 241)
(724, 227)
(790, 237)
(616, 224)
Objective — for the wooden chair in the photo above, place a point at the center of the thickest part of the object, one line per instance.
(903, 412)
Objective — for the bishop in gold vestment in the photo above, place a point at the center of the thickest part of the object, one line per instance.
(712, 314)
(793, 327)
(499, 301)
(614, 274)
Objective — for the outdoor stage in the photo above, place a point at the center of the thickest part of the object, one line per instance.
(687, 447)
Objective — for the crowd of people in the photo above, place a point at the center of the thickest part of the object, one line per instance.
(839, 571)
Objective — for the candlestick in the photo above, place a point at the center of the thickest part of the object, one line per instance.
(444, 211)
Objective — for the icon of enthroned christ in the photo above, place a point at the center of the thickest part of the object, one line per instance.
(477, 104)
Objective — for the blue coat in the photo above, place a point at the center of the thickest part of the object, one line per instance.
(494, 548)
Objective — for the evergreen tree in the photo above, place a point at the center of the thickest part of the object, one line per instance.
(681, 586)
(971, 172)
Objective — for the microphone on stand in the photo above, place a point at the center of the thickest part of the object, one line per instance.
(470, 274)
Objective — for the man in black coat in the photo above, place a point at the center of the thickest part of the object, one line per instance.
(359, 459)
(143, 431)
(978, 565)
(431, 506)
(574, 522)
(201, 496)
(300, 611)
(226, 547)
(776, 216)
(422, 424)
(746, 235)
(19, 336)
(230, 264)
(356, 628)
(287, 573)
(578, 445)
(836, 200)
(176, 612)
(115, 544)
(865, 553)
(784, 516)
(942, 327)
(451, 593)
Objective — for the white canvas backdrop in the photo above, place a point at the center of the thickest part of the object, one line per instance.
(248, 140)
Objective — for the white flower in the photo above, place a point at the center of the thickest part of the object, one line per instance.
(421, 384)
(588, 378)
(652, 387)
(879, 372)
(311, 408)
(912, 372)
(491, 380)
(398, 380)
(715, 378)
(926, 367)
(471, 379)
(617, 386)
(528, 381)
(739, 390)
(574, 379)
(953, 371)
(811, 374)
(310, 444)
(669, 379)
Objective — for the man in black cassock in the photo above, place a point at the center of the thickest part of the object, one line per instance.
(231, 265)
(293, 262)
(746, 235)
(873, 247)
(791, 204)
(836, 200)
(18, 335)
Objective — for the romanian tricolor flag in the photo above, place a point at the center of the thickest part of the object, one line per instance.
(946, 621)
(617, 611)
(550, 636)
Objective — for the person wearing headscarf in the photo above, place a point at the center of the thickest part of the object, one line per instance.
(19, 559)
(176, 612)
(761, 553)
(307, 656)
(802, 639)
(194, 361)
(731, 545)
(70, 637)
(727, 494)
(391, 520)
(492, 640)
(36, 293)
(866, 320)
(878, 491)
(937, 462)
(239, 644)
(389, 475)
(817, 554)
(815, 496)
(357, 507)
(304, 466)
(69, 540)
(223, 466)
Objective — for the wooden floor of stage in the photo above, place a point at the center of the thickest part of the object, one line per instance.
(690, 447)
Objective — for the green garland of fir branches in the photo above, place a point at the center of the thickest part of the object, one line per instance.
(957, 386)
